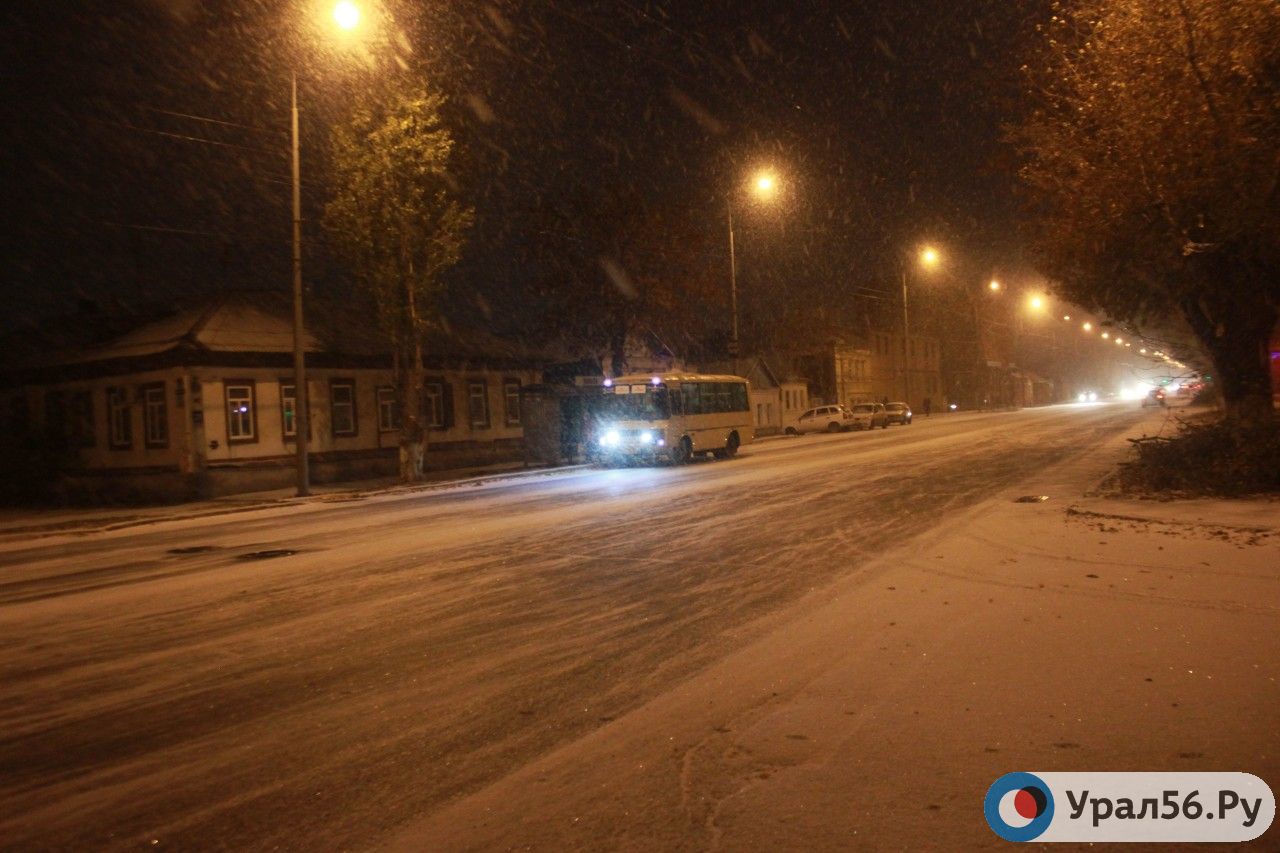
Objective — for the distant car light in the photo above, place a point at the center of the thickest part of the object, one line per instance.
(610, 438)
(646, 437)
(953, 407)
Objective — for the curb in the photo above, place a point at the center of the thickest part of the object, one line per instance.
(98, 525)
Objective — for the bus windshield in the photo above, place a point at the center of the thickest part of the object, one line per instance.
(635, 403)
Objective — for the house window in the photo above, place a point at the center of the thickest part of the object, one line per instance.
(433, 405)
(388, 410)
(289, 410)
(240, 412)
(342, 407)
(511, 401)
(478, 404)
(81, 420)
(155, 416)
(120, 422)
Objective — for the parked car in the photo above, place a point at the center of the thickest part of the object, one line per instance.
(898, 413)
(823, 419)
(869, 416)
(1155, 397)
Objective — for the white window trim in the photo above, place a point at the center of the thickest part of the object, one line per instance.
(249, 417)
(387, 403)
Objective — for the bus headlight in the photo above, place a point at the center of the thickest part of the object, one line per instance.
(646, 437)
(610, 438)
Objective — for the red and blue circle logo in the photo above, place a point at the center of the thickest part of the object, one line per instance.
(1019, 807)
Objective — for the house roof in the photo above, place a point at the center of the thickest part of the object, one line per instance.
(239, 327)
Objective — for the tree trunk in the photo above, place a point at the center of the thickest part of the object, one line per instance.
(413, 435)
(1236, 334)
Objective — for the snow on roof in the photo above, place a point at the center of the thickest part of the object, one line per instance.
(262, 322)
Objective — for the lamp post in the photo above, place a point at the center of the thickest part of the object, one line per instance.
(763, 186)
(928, 258)
(347, 17)
(300, 410)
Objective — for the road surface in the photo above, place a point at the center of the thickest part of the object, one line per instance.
(160, 689)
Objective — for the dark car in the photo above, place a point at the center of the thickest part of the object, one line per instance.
(898, 413)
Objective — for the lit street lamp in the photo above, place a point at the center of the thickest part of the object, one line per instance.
(763, 186)
(347, 16)
(928, 258)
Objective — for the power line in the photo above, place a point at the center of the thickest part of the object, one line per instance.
(208, 120)
(183, 137)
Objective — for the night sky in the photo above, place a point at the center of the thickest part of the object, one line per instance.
(147, 145)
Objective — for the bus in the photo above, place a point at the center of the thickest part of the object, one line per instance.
(671, 416)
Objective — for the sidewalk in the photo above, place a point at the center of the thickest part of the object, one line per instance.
(19, 523)
(1075, 633)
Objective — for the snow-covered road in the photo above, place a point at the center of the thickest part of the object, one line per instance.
(419, 646)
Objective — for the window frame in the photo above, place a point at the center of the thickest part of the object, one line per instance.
(334, 384)
(483, 385)
(147, 391)
(82, 421)
(508, 418)
(118, 403)
(433, 390)
(227, 385)
(389, 406)
(285, 433)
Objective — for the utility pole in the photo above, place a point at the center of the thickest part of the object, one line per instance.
(906, 333)
(733, 291)
(300, 413)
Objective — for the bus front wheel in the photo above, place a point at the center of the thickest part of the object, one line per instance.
(682, 452)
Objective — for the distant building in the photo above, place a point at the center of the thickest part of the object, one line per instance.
(874, 366)
(202, 402)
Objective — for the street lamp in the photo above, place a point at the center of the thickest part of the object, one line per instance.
(993, 285)
(347, 16)
(763, 186)
(928, 258)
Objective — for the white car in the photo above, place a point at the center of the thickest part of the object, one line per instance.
(823, 419)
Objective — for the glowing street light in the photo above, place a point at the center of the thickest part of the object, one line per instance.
(1036, 303)
(764, 186)
(347, 15)
(1106, 335)
(928, 257)
(993, 285)
(1066, 318)
(1088, 327)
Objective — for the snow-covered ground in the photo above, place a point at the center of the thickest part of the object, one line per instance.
(828, 639)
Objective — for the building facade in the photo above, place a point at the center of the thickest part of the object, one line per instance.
(203, 403)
